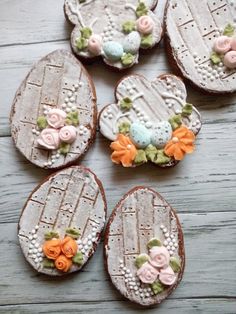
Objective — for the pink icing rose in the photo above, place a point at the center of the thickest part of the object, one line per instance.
(147, 273)
(56, 118)
(67, 134)
(95, 44)
(49, 139)
(145, 24)
(160, 256)
(230, 60)
(222, 44)
(233, 43)
(167, 276)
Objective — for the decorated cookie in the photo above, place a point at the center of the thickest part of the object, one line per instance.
(62, 220)
(151, 121)
(114, 30)
(53, 117)
(201, 38)
(144, 247)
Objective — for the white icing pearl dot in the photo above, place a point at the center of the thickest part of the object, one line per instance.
(83, 251)
(36, 260)
(165, 243)
(30, 251)
(172, 248)
(94, 239)
(175, 245)
(89, 242)
(69, 94)
(30, 238)
(68, 110)
(168, 247)
(165, 230)
(80, 246)
(86, 247)
(31, 246)
(38, 254)
(171, 252)
(66, 100)
(162, 227)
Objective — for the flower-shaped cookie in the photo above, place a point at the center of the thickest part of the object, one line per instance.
(151, 121)
(114, 30)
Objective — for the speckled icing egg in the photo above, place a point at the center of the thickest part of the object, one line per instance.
(161, 134)
(132, 42)
(113, 50)
(140, 135)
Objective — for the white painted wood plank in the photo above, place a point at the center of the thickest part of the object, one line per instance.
(23, 22)
(195, 306)
(209, 242)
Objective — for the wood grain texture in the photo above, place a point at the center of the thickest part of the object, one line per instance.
(202, 189)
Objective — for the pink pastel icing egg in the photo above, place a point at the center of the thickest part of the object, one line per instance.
(230, 60)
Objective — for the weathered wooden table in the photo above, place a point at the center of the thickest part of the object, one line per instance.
(202, 188)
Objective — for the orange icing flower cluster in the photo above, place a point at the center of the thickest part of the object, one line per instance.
(124, 151)
(61, 252)
(182, 143)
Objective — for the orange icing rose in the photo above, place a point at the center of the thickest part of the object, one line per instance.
(182, 142)
(124, 151)
(69, 247)
(52, 248)
(63, 263)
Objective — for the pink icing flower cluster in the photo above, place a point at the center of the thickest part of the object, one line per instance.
(57, 131)
(226, 46)
(145, 24)
(157, 267)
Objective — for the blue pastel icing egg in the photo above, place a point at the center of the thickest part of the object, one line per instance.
(140, 135)
(161, 134)
(113, 50)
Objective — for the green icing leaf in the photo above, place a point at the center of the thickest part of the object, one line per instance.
(81, 43)
(215, 58)
(157, 156)
(157, 287)
(175, 264)
(73, 232)
(64, 148)
(86, 32)
(128, 27)
(140, 157)
(124, 128)
(78, 258)
(141, 259)
(187, 110)
(47, 263)
(229, 30)
(72, 118)
(151, 152)
(175, 121)
(42, 122)
(161, 158)
(154, 242)
(127, 59)
(126, 103)
(50, 235)
(141, 9)
(146, 41)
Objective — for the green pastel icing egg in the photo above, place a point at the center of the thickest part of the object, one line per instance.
(113, 50)
(140, 135)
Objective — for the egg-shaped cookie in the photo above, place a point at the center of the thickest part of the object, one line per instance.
(62, 220)
(144, 247)
(53, 117)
